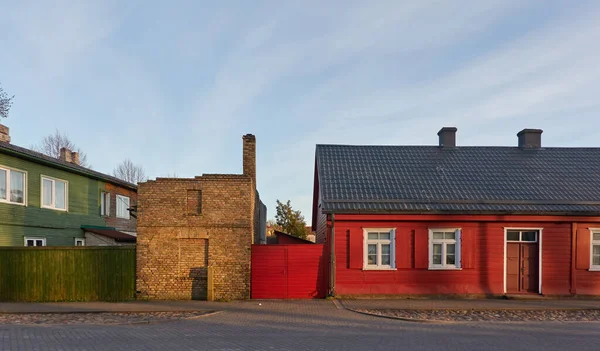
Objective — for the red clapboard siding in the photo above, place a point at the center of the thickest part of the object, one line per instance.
(583, 249)
(289, 271)
(404, 248)
(421, 248)
(356, 249)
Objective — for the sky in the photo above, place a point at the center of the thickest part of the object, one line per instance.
(173, 85)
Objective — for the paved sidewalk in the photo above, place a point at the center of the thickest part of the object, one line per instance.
(97, 307)
(479, 304)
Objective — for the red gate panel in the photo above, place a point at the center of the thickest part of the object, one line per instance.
(288, 271)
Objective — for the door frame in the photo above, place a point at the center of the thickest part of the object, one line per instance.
(539, 242)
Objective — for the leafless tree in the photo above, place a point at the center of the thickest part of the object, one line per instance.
(5, 103)
(129, 172)
(52, 144)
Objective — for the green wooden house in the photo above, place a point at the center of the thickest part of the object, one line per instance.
(46, 201)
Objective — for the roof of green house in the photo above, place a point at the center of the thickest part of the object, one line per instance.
(33, 156)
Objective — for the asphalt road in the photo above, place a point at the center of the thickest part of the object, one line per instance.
(302, 325)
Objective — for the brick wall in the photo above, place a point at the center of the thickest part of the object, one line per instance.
(186, 225)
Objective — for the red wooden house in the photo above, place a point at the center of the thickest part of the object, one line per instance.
(459, 220)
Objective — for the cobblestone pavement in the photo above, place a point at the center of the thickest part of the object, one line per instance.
(98, 318)
(301, 325)
(571, 315)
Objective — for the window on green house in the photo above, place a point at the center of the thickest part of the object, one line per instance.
(35, 241)
(12, 186)
(54, 193)
(105, 204)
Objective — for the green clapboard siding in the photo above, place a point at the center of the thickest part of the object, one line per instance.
(32, 274)
(58, 227)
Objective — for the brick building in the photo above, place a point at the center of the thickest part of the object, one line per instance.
(195, 234)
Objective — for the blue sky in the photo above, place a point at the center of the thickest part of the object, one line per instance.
(174, 85)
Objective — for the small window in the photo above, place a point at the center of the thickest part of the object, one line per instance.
(379, 249)
(530, 236)
(54, 193)
(12, 186)
(595, 254)
(79, 242)
(122, 206)
(105, 204)
(444, 248)
(35, 241)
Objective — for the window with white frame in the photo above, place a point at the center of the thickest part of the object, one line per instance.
(79, 242)
(54, 193)
(122, 206)
(35, 241)
(12, 185)
(595, 248)
(379, 252)
(105, 204)
(444, 248)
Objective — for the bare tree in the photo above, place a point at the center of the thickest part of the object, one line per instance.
(129, 172)
(5, 103)
(52, 144)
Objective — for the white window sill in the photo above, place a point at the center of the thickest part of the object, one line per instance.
(379, 269)
(11, 203)
(594, 269)
(445, 268)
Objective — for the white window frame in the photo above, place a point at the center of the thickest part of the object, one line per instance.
(53, 204)
(457, 241)
(82, 240)
(593, 243)
(121, 202)
(391, 242)
(7, 200)
(105, 204)
(34, 238)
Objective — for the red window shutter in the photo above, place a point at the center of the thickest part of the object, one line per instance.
(583, 249)
(356, 249)
(467, 249)
(421, 248)
(403, 248)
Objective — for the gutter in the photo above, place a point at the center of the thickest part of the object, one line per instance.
(332, 258)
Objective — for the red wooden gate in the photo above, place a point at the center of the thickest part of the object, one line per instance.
(289, 271)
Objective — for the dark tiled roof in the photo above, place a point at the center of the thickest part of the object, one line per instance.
(461, 179)
(291, 237)
(119, 237)
(34, 156)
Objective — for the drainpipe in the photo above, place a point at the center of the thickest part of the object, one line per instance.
(332, 258)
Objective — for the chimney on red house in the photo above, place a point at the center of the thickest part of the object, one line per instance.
(530, 138)
(447, 136)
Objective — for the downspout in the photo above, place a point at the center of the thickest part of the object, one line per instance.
(332, 258)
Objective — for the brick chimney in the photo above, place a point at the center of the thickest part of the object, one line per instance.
(530, 138)
(65, 155)
(4, 135)
(75, 157)
(447, 136)
(250, 156)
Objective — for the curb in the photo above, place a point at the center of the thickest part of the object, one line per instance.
(404, 319)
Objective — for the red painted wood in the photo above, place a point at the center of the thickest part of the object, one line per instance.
(356, 256)
(404, 248)
(421, 247)
(483, 259)
(462, 218)
(468, 248)
(288, 271)
(583, 249)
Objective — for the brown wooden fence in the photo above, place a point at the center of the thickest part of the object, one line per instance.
(37, 274)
